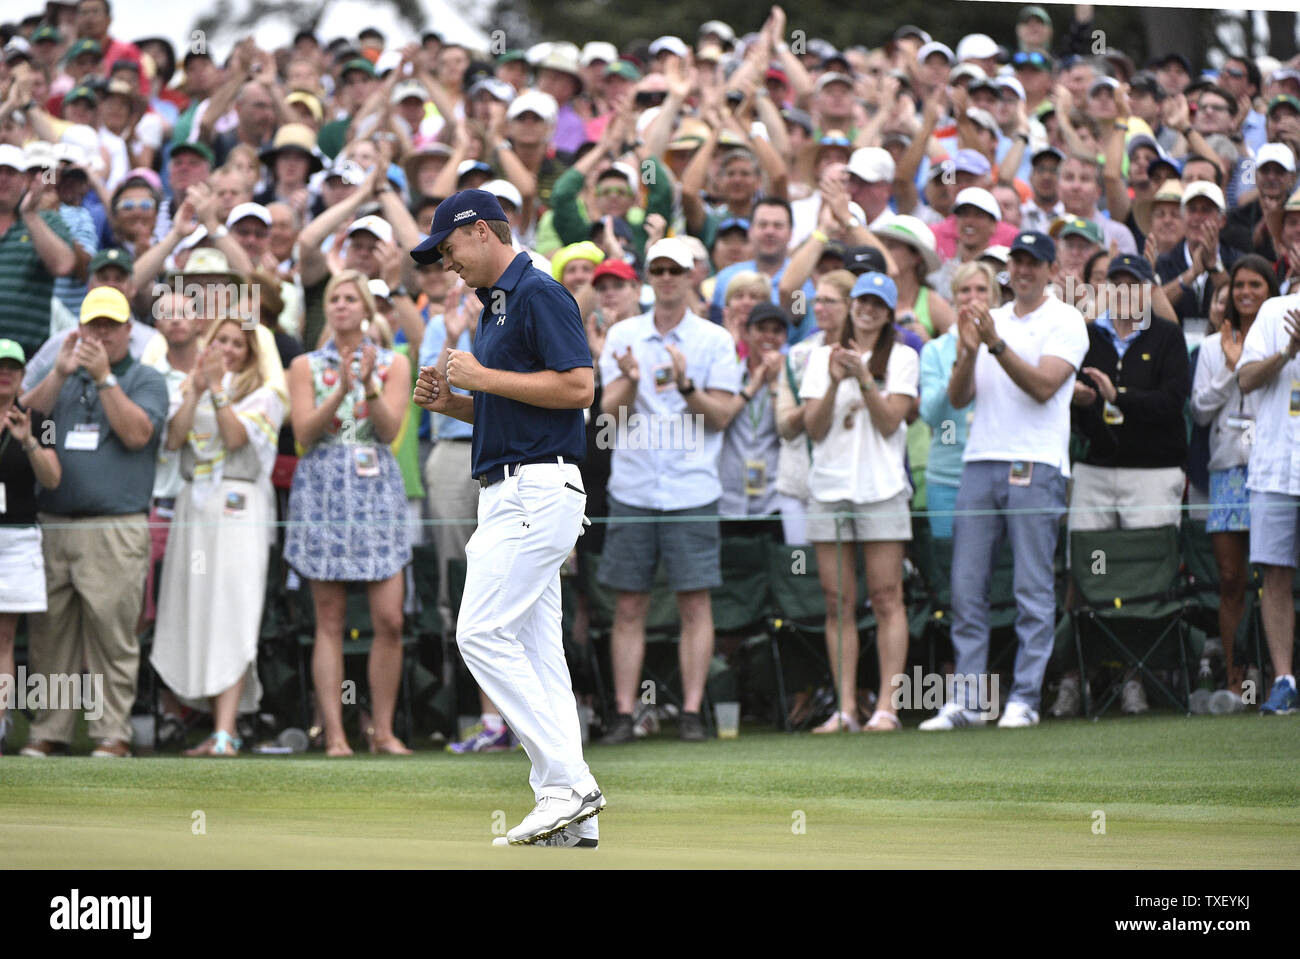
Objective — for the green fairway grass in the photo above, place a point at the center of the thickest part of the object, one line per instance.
(1176, 792)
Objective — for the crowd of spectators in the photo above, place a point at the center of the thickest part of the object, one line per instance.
(829, 293)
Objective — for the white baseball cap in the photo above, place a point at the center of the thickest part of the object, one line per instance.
(981, 199)
(255, 210)
(833, 77)
(673, 249)
(982, 118)
(410, 88)
(720, 30)
(977, 46)
(1206, 189)
(669, 44)
(1278, 153)
(598, 50)
(373, 224)
(534, 101)
(505, 190)
(872, 164)
(1010, 83)
(934, 46)
(378, 289)
(12, 156)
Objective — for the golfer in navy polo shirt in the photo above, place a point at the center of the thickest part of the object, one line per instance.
(531, 377)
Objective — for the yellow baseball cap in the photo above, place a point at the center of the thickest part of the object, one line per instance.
(105, 301)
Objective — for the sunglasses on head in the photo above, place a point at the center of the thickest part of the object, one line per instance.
(666, 271)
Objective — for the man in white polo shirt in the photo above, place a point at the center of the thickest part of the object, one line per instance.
(1019, 360)
(1269, 364)
(670, 379)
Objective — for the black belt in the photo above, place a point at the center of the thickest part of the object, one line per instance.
(498, 473)
(455, 439)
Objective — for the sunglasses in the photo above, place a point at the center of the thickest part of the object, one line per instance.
(666, 270)
(128, 205)
(613, 191)
(1235, 73)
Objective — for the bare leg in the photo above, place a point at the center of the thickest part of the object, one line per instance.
(696, 610)
(330, 600)
(837, 570)
(8, 627)
(225, 709)
(1230, 555)
(384, 669)
(885, 582)
(627, 647)
(1279, 616)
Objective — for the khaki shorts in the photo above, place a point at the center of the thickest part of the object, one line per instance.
(889, 521)
(1125, 498)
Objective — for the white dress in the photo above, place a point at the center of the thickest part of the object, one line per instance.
(214, 572)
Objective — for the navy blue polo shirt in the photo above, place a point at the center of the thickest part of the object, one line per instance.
(529, 323)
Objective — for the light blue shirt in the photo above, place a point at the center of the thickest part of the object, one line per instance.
(68, 290)
(950, 425)
(805, 325)
(664, 457)
(751, 437)
(1254, 130)
(444, 427)
(1121, 345)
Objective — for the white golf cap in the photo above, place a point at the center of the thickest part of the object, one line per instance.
(378, 289)
(255, 210)
(410, 88)
(469, 166)
(673, 249)
(934, 46)
(12, 156)
(534, 101)
(977, 46)
(40, 154)
(504, 190)
(833, 77)
(1012, 84)
(720, 30)
(373, 224)
(629, 174)
(1206, 189)
(1278, 153)
(872, 164)
(982, 118)
(598, 50)
(968, 70)
(1000, 253)
(669, 44)
(497, 88)
(981, 199)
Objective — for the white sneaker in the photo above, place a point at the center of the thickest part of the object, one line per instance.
(583, 835)
(1068, 701)
(1133, 698)
(552, 814)
(1017, 715)
(952, 716)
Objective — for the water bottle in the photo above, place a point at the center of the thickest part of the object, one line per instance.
(1225, 702)
(293, 738)
(1200, 699)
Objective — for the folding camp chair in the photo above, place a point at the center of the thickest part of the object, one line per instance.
(1129, 588)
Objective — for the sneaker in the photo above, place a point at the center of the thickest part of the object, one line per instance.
(1017, 715)
(111, 749)
(621, 732)
(1068, 701)
(483, 740)
(690, 728)
(1281, 701)
(42, 748)
(952, 716)
(577, 836)
(170, 733)
(1133, 698)
(552, 814)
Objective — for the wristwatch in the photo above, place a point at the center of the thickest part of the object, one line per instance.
(687, 388)
(106, 383)
(998, 348)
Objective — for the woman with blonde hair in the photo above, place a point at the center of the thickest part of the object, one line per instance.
(347, 508)
(744, 291)
(225, 424)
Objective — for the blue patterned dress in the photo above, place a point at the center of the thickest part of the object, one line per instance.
(344, 525)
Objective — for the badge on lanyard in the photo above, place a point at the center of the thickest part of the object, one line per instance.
(4, 505)
(83, 436)
(366, 460)
(1112, 414)
(1022, 473)
(236, 503)
(663, 377)
(1295, 397)
(755, 477)
(1241, 421)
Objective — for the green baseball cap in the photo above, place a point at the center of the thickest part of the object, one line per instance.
(47, 33)
(111, 257)
(1284, 98)
(621, 68)
(9, 350)
(1034, 12)
(195, 146)
(81, 93)
(83, 46)
(510, 56)
(358, 63)
(1078, 226)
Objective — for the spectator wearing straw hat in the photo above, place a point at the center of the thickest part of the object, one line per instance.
(559, 76)
(911, 245)
(292, 158)
(108, 413)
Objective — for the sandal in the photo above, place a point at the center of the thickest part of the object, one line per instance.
(883, 722)
(392, 746)
(225, 744)
(838, 723)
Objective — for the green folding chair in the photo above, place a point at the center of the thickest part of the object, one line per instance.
(1130, 592)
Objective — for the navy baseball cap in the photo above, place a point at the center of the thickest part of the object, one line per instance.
(459, 209)
(1037, 245)
(864, 259)
(767, 311)
(1137, 266)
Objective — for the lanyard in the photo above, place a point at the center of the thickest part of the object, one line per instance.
(757, 408)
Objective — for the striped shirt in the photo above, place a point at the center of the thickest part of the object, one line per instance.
(25, 284)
